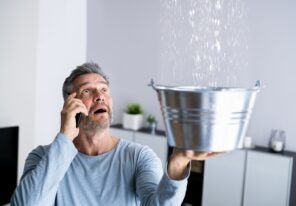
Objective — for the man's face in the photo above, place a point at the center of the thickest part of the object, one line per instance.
(93, 91)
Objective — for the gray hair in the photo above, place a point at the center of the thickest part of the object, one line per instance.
(86, 68)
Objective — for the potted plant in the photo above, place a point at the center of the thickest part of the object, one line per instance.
(152, 123)
(133, 116)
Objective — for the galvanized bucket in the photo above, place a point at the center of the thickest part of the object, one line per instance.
(206, 118)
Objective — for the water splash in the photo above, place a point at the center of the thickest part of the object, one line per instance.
(203, 42)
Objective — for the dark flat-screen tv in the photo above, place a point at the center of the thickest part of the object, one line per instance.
(8, 162)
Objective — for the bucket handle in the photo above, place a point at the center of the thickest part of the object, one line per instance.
(152, 84)
(258, 84)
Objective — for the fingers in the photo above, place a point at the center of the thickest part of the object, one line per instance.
(72, 106)
(195, 155)
(213, 154)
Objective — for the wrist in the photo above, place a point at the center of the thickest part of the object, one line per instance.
(178, 167)
(69, 134)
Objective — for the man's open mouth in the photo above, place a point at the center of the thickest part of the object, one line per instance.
(102, 110)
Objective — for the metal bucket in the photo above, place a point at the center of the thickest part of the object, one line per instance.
(206, 118)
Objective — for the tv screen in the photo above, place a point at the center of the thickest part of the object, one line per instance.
(8, 162)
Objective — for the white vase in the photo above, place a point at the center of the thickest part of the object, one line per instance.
(132, 121)
(152, 127)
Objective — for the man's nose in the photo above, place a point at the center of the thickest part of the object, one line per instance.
(99, 97)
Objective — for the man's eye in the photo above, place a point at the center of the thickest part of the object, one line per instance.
(85, 91)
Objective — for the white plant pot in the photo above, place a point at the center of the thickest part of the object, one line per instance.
(132, 121)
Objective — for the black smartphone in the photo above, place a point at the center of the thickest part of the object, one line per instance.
(78, 118)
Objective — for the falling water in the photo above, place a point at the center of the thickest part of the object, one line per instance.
(203, 42)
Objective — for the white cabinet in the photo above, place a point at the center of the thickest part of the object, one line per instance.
(223, 180)
(157, 143)
(124, 134)
(247, 178)
(268, 178)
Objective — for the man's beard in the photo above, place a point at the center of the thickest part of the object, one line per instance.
(91, 125)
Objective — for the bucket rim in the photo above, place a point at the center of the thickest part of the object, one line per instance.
(255, 88)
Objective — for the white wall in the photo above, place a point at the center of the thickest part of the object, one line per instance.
(61, 46)
(124, 39)
(272, 51)
(41, 42)
(18, 23)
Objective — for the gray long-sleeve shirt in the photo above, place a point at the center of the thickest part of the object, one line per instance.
(130, 174)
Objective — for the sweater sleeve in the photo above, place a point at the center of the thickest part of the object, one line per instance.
(45, 167)
(153, 186)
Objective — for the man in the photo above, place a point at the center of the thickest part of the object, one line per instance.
(86, 165)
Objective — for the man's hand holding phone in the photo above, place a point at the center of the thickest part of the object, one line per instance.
(70, 114)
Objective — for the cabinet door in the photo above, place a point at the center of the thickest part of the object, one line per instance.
(268, 178)
(124, 134)
(223, 179)
(157, 143)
